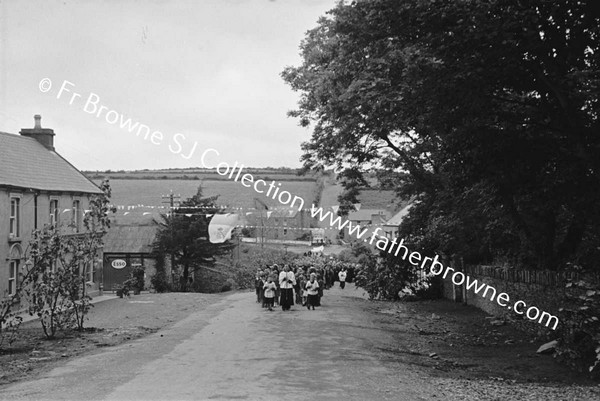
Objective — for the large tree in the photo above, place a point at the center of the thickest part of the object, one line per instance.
(486, 112)
(183, 235)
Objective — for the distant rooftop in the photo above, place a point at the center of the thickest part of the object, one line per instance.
(398, 217)
(130, 239)
(366, 214)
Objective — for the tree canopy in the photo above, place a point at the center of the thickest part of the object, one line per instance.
(183, 234)
(485, 111)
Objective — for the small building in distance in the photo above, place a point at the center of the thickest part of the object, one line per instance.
(278, 223)
(391, 227)
(128, 243)
(38, 187)
(366, 218)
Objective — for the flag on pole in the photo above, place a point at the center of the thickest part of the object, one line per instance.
(262, 204)
(221, 226)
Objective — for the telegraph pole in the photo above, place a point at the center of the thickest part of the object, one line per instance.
(262, 224)
(170, 200)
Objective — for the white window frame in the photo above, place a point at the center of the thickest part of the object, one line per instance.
(13, 273)
(14, 225)
(76, 215)
(54, 213)
(89, 272)
(53, 266)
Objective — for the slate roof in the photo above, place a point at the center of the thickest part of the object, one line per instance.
(398, 217)
(130, 239)
(26, 163)
(254, 215)
(279, 212)
(365, 214)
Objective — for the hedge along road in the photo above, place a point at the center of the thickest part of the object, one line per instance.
(234, 349)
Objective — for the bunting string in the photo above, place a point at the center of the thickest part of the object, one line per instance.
(282, 216)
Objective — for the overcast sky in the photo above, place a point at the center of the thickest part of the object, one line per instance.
(208, 70)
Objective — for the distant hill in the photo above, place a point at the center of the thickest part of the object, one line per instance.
(147, 187)
(197, 173)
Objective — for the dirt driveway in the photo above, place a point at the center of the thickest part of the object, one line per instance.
(350, 349)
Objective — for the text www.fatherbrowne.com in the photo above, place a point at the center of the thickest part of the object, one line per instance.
(436, 268)
(274, 191)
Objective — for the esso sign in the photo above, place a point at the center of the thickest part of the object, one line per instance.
(118, 263)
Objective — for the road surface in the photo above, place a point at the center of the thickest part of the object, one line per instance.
(236, 350)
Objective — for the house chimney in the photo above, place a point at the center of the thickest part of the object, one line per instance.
(45, 136)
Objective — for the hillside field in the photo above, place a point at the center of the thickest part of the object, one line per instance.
(200, 174)
(234, 194)
(380, 199)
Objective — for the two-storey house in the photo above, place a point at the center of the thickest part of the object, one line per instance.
(37, 187)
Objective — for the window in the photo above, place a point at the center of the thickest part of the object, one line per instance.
(76, 216)
(13, 268)
(35, 212)
(89, 271)
(53, 212)
(15, 217)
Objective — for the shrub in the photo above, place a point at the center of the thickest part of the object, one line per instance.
(160, 282)
(135, 281)
(304, 237)
(9, 321)
(389, 277)
(227, 286)
(54, 282)
(579, 327)
(248, 232)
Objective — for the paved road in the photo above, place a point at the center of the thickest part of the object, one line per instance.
(236, 350)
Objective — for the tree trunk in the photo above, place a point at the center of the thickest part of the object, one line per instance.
(574, 235)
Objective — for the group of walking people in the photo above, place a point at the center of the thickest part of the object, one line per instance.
(300, 285)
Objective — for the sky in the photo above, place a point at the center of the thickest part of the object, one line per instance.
(132, 84)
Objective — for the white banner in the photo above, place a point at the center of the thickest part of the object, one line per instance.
(221, 226)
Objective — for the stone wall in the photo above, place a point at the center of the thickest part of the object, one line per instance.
(542, 289)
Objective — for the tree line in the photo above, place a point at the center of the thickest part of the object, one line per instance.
(484, 113)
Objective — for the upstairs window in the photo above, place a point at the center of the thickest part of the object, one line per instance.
(15, 217)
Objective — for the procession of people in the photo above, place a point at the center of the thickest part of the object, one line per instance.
(289, 285)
